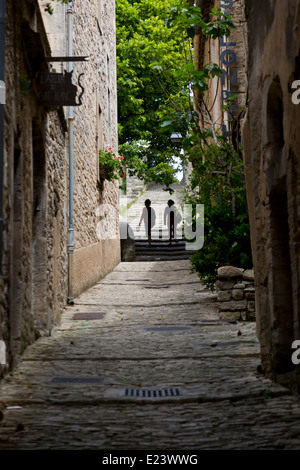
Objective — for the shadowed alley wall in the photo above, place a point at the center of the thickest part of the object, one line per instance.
(272, 161)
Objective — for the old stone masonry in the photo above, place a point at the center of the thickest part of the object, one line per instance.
(143, 360)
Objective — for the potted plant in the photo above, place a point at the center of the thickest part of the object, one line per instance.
(111, 166)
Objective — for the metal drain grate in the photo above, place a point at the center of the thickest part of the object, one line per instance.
(79, 380)
(163, 393)
(89, 316)
(156, 287)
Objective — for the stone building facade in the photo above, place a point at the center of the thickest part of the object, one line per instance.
(34, 189)
(39, 270)
(230, 54)
(95, 212)
(272, 162)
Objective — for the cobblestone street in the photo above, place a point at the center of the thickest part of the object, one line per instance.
(159, 370)
(149, 232)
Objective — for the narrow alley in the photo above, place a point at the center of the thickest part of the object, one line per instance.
(124, 324)
(142, 361)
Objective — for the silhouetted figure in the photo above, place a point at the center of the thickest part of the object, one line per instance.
(171, 218)
(148, 215)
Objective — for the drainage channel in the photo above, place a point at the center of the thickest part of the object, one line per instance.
(156, 287)
(216, 344)
(80, 380)
(156, 393)
(168, 328)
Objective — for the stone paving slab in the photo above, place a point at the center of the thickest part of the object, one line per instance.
(114, 380)
(271, 424)
(154, 277)
(69, 391)
(150, 295)
(154, 266)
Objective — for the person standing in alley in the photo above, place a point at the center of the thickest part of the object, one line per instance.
(149, 216)
(171, 218)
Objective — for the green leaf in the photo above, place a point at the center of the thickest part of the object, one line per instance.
(191, 32)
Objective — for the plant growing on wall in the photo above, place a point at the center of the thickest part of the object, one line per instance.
(112, 165)
(217, 178)
(49, 9)
(24, 85)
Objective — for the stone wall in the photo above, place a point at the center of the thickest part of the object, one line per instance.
(34, 234)
(96, 216)
(238, 43)
(34, 285)
(272, 161)
(95, 211)
(57, 169)
(134, 186)
(236, 293)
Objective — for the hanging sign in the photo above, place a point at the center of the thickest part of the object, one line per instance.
(57, 89)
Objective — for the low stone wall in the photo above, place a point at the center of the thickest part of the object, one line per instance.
(134, 186)
(100, 258)
(236, 293)
(127, 242)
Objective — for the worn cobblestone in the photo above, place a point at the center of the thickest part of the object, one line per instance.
(148, 339)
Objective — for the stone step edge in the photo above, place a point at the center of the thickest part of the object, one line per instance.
(115, 396)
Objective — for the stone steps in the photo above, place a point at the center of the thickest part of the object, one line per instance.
(160, 250)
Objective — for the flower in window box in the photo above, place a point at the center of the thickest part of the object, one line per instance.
(110, 165)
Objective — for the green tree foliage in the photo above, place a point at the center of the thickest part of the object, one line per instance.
(156, 74)
(217, 178)
(145, 48)
(161, 89)
(218, 182)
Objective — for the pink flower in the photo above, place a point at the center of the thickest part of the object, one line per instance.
(122, 158)
(115, 158)
(109, 148)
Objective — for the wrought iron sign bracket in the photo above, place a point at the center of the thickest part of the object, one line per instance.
(65, 59)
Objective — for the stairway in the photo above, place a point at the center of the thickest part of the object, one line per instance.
(161, 251)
